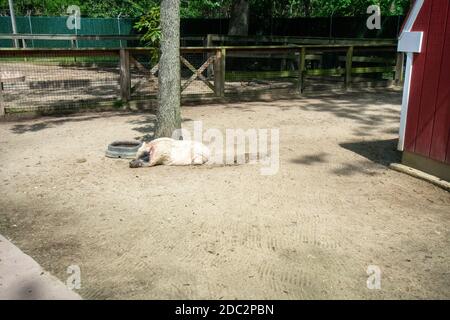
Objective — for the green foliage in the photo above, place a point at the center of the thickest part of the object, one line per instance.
(39, 7)
(292, 8)
(150, 25)
(88, 8)
(357, 7)
(324, 8)
(207, 8)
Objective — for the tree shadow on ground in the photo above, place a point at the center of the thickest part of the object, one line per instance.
(147, 126)
(364, 114)
(376, 153)
(383, 152)
(51, 122)
(369, 110)
(362, 167)
(311, 159)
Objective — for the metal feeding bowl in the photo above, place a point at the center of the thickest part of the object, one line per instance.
(123, 149)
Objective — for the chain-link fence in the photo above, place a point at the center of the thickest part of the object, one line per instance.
(57, 80)
(264, 71)
(63, 79)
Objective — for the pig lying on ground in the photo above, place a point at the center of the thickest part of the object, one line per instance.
(171, 152)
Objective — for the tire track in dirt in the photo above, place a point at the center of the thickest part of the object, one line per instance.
(288, 281)
(288, 244)
(148, 245)
(296, 244)
(268, 238)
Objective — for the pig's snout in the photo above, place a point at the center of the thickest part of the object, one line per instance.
(142, 161)
(136, 163)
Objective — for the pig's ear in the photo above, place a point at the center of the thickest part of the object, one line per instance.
(151, 151)
(141, 150)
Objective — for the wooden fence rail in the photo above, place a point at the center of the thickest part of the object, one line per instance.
(215, 61)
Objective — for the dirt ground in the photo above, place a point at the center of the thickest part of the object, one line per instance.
(310, 231)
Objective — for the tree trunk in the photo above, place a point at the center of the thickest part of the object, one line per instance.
(239, 18)
(307, 8)
(169, 93)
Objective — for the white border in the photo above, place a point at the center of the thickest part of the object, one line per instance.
(409, 68)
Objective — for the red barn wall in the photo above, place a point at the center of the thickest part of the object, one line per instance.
(428, 120)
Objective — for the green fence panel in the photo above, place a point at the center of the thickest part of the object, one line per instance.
(57, 25)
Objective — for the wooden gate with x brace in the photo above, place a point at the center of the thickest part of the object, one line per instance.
(196, 73)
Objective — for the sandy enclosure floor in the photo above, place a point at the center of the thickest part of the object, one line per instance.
(311, 231)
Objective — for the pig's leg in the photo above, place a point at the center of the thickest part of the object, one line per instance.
(197, 159)
(200, 154)
(154, 156)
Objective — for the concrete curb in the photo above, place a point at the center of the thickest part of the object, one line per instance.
(421, 175)
(22, 278)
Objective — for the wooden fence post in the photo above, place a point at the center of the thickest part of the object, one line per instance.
(125, 77)
(348, 67)
(73, 45)
(219, 72)
(208, 43)
(399, 68)
(2, 104)
(301, 70)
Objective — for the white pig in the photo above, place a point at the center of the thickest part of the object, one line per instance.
(170, 152)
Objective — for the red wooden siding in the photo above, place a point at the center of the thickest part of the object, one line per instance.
(440, 144)
(428, 121)
(422, 24)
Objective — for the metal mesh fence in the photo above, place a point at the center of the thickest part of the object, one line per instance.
(144, 76)
(193, 64)
(249, 71)
(55, 81)
(325, 68)
(197, 75)
(41, 79)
